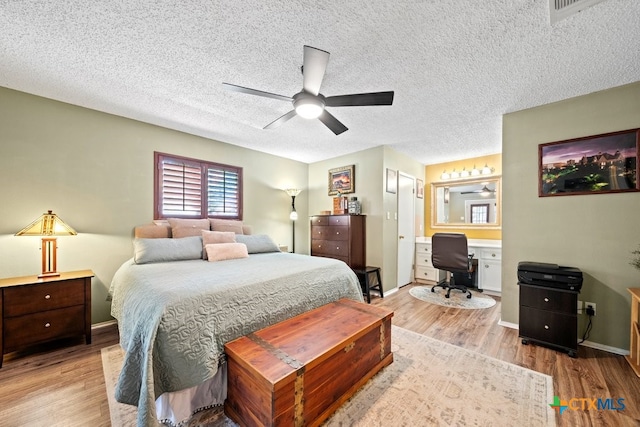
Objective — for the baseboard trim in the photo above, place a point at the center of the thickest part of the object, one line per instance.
(590, 344)
(104, 324)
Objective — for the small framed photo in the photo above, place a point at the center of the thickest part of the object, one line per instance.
(342, 180)
(392, 181)
(419, 189)
(596, 164)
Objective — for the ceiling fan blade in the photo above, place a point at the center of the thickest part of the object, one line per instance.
(313, 69)
(360, 99)
(332, 123)
(249, 91)
(280, 120)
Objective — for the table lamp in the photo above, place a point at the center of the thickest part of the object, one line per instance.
(49, 224)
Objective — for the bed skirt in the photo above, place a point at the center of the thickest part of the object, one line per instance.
(176, 408)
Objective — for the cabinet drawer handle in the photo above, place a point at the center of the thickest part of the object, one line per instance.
(337, 247)
(337, 232)
(46, 325)
(546, 300)
(546, 326)
(47, 296)
(486, 266)
(493, 255)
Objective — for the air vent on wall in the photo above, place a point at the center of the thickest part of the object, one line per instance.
(560, 9)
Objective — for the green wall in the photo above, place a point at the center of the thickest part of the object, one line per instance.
(95, 170)
(594, 233)
(370, 167)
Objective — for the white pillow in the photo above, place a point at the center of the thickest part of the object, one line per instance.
(224, 251)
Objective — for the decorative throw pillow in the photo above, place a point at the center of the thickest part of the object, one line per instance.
(224, 251)
(187, 227)
(226, 225)
(152, 231)
(258, 243)
(213, 237)
(164, 250)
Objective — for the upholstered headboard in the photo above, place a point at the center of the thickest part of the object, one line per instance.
(165, 228)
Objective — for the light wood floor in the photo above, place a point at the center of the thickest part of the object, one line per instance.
(64, 386)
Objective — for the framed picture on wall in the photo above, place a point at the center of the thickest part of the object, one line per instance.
(342, 180)
(392, 181)
(419, 189)
(605, 163)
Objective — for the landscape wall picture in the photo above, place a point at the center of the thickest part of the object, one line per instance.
(595, 164)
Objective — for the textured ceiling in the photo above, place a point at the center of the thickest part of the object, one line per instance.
(456, 66)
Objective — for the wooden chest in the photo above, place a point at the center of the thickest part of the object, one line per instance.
(298, 372)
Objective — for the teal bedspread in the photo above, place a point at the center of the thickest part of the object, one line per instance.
(175, 317)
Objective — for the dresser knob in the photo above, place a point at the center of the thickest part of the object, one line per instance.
(47, 296)
(546, 300)
(46, 325)
(337, 232)
(486, 266)
(337, 247)
(546, 326)
(493, 255)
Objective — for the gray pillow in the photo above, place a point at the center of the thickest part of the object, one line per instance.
(165, 250)
(257, 243)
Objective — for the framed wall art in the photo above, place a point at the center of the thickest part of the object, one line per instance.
(392, 181)
(606, 163)
(342, 180)
(419, 189)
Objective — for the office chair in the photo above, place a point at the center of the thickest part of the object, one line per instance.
(449, 252)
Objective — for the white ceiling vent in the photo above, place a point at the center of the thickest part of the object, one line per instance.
(561, 9)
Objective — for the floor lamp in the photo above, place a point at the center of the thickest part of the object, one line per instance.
(293, 216)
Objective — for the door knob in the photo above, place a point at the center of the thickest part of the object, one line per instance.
(401, 237)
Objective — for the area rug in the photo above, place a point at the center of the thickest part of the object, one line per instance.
(456, 299)
(429, 383)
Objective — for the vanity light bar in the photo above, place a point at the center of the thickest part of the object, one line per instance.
(486, 170)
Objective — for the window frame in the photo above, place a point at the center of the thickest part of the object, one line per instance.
(204, 166)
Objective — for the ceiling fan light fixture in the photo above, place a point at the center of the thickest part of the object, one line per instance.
(308, 106)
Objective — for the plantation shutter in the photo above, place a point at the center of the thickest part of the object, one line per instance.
(190, 188)
(223, 189)
(181, 189)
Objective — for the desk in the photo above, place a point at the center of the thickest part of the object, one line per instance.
(634, 343)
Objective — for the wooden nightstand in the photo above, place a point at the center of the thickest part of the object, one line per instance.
(34, 310)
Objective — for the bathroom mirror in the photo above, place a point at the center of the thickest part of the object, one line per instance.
(469, 203)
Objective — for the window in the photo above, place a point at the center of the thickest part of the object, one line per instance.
(480, 214)
(190, 188)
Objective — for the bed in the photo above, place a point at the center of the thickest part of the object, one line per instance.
(175, 312)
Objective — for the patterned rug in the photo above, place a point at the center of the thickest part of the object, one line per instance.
(429, 383)
(456, 299)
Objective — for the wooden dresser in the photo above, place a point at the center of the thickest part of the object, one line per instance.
(34, 310)
(341, 237)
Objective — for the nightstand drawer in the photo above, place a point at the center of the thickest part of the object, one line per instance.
(43, 296)
(45, 326)
(423, 249)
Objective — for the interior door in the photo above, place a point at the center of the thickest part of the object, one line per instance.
(406, 228)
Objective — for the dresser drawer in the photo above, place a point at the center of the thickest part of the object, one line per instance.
(339, 220)
(331, 232)
(548, 299)
(43, 296)
(549, 327)
(425, 273)
(319, 220)
(45, 326)
(330, 247)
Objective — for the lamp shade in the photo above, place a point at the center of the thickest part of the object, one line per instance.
(49, 224)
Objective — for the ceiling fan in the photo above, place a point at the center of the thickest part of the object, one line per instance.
(309, 102)
(484, 191)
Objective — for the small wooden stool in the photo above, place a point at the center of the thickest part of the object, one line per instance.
(366, 283)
